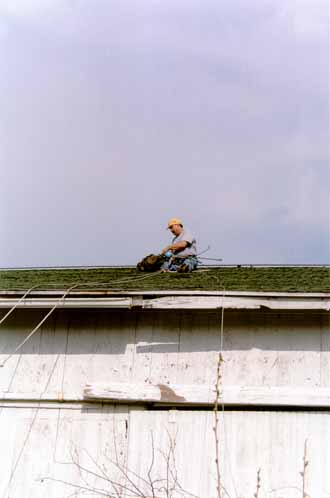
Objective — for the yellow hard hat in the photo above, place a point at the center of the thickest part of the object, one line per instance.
(174, 221)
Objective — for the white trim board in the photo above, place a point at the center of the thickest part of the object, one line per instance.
(174, 302)
(178, 395)
(181, 394)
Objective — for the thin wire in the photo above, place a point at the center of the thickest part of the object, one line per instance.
(37, 326)
(205, 250)
(212, 259)
(222, 320)
(177, 256)
(196, 255)
(82, 284)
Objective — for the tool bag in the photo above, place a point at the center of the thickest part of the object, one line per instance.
(152, 262)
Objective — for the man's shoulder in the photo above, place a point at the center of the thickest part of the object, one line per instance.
(187, 231)
(187, 234)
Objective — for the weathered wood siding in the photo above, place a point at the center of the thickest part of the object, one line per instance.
(79, 347)
(42, 447)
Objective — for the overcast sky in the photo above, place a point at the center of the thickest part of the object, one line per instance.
(117, 115)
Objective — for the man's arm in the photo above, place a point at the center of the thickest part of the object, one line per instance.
(178, 246)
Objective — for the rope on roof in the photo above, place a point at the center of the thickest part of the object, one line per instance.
(38, 326)
(18, 302)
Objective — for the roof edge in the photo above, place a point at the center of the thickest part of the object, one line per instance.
(96, 293)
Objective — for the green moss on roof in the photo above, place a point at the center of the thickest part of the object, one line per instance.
(266, 279)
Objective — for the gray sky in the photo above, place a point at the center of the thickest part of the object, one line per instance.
(117, 115)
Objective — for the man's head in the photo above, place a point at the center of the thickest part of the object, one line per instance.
(175, 225)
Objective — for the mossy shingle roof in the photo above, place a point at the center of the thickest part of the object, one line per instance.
(234, 278)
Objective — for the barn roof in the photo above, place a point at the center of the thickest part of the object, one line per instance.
(241, 278)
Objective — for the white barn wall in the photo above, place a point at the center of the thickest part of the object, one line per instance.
(76, 347)
(79, 347)
(270, 441)
(41, 446)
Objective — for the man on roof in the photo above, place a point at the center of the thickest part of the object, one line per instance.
(181, 254)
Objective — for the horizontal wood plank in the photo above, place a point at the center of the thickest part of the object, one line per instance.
(205, 395)
(189, 302)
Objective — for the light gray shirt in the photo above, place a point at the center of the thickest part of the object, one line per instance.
(187, 236)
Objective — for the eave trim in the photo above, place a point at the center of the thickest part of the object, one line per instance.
(172, 302)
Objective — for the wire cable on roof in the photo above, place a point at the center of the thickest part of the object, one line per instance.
(177, 256)
(204, 251)
(122, 280)
(38, 326)
(212, 259)
(129, 279)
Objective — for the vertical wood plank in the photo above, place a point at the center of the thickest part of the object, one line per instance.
(49, 363)
(35, 437)
(113, 347)
(165, 347)
(325, 350)
(145, 323)
(299, 347)
(8, 427)
(25, 374)
(80, 349)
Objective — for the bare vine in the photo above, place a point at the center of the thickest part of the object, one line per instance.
(303, 473)
(114, 479)
(216, 427)
(258, 486)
